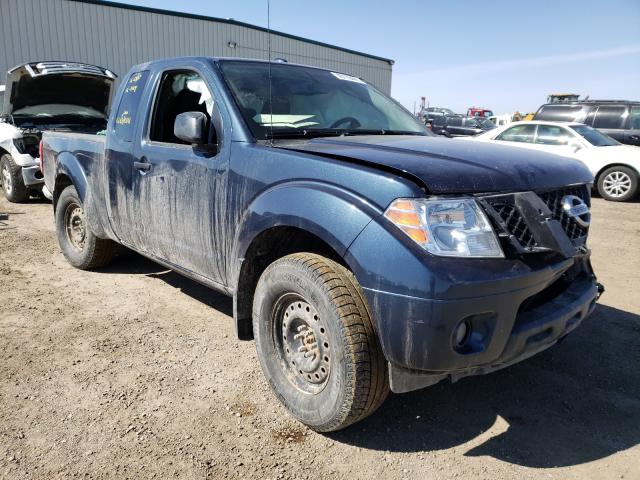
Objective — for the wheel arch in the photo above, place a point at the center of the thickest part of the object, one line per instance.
(267, 247)
(69, 172)
(610, 165)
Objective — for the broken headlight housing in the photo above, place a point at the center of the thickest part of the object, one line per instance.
(446, 227)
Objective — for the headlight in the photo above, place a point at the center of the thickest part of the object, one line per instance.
(454, 228)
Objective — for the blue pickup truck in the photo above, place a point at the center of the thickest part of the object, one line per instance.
(363, 254)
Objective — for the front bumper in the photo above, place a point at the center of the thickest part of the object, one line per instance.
(533, 331)
(513, 308)
(32, 176)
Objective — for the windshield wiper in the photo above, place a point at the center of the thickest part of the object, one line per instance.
(332, 132)
(304, 133)
(379, 132)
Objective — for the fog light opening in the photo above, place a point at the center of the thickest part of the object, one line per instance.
(462, 333)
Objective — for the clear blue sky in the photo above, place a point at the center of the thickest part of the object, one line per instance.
(504, 55)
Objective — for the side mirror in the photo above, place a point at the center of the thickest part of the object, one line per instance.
(191, 127)
(575, 146)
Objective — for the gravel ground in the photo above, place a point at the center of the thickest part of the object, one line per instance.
(134, 372)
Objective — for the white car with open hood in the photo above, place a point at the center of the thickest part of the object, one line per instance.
(39, 96)
(616, 167)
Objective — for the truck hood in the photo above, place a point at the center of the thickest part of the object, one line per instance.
(36, 93)
(444, 165)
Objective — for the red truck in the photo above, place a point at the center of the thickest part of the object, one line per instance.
(479, 112)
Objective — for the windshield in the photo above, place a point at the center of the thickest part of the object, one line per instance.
(594, 137)
(309, 101)
(51, 110)
(479, 122)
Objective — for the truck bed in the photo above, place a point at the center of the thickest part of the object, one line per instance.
(68, 155)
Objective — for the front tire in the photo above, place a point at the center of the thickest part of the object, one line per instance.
(618, 184)
(80, 246)
(316, 342)
(12, 181)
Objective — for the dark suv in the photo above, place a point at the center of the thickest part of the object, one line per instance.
(619, 119)
(460, 125)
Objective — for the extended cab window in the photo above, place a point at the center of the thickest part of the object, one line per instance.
(179, 92)
(519, 133)
(128, 108)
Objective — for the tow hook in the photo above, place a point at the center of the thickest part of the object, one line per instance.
(600, 288)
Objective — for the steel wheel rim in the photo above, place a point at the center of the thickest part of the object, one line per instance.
(75, 225)
(301, 340)
(6, 179)
(617, 184)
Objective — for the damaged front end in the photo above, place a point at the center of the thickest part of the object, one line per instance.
(44, 96)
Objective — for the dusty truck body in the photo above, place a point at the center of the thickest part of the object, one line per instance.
(361, 252)
(39, 96)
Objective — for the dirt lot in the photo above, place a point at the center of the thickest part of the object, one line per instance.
(134, 372)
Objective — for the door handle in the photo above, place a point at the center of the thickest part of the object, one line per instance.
(143, 165)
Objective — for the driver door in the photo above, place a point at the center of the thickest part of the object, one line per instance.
(176, 184)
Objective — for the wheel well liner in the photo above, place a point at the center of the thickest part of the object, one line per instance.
(266, 248)
(62, 182)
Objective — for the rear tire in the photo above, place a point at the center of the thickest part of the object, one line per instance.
(12, 181)
(316, 342)
(80, 246)
(618, 184)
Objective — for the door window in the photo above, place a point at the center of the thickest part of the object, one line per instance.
(518, 133)
(128, 108)
(454, 122)
(179, 92)
(634, 118)
(609, 117)
(552, 135)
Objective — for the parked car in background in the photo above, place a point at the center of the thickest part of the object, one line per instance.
(479, 112)
(361, 252)
(460, 125)
(62, 96)
(615, 167)
(620, 119)
(429, 113)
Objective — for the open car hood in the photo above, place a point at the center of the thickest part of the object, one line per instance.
(57, 83)
(444, 165)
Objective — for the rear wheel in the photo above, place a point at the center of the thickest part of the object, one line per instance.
(618, 184)
(80, 246)
(12, 181)
(316, 342)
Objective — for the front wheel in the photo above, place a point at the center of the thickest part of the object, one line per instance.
(12, 181)
(80, 246)
(618, 184)
(316, 342)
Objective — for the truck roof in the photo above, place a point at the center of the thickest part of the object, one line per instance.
(172, 60)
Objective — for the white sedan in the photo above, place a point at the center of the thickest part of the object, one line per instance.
(616, 167)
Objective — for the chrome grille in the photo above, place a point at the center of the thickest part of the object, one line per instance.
(553, 200)
(510, 220)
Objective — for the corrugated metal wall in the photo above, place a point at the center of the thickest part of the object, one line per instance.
(117, 38)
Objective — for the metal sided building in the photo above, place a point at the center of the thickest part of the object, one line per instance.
(117, 36)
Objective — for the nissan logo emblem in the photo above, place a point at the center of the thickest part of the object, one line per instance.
(575, 208)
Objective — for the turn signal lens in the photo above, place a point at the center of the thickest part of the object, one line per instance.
(446, 227)
(410, 219)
